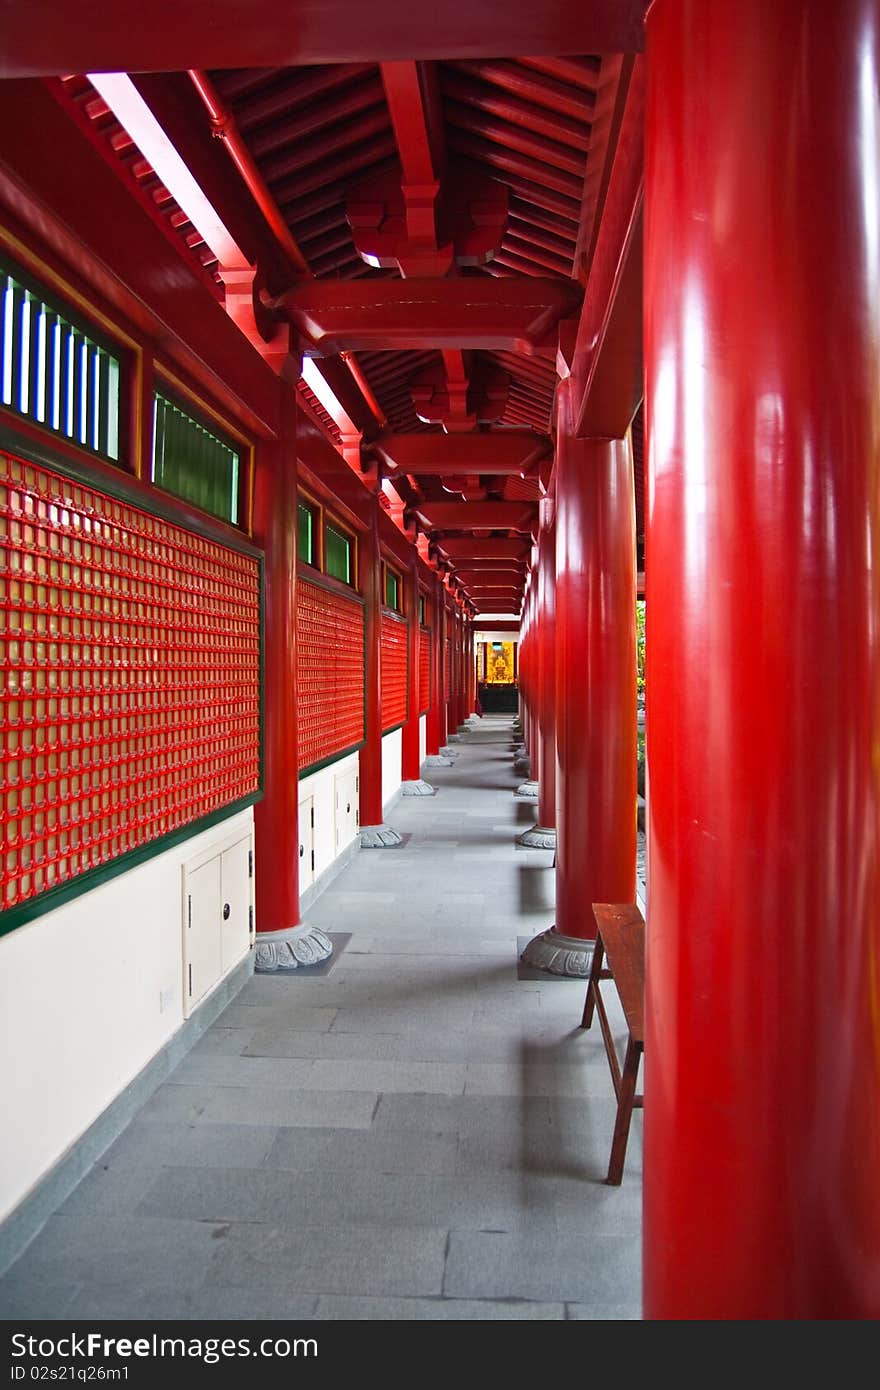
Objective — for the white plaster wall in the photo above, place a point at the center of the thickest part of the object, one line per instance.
(322, 787)
(392, 754)
(89, 993)
(423, 738)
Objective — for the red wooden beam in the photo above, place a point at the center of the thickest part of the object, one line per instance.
(392, 315)
(42, 37)
(463, 455)
(475, 516)
(608, 391)
(488, 547)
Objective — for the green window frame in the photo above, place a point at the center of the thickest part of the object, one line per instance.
(307, 533)
(56, 371)
(393, 588)
(422, 611)
(338, 553)
(194, 463)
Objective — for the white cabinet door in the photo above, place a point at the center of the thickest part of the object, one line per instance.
(346, 807)
(236, 915)
(306, 843)
(202, 962)
(218, 917)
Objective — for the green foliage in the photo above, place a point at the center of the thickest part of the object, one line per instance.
(640, 645)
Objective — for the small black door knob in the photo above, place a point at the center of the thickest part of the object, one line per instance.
(226, 911)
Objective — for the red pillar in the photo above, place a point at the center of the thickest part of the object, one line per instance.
(432, 727)
(762, 355)
(542, 835)
(374, 835)
(595, 689)
(283, 942)
(411, 762)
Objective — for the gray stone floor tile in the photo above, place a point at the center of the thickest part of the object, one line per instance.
(280, 1073)
(160, 1304)
(363, 1151)
(441, 1078)
(129, 1252)
(34, 1297)
(198, 1146)
(339, 1260)
(615, 1312)
(226, 1042)
(235, 1105)
(463, 1114)
(601, 1269)
(332, 1307)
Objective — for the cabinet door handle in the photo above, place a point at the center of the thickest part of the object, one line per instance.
(302, 850)
(347, 807)
(226, 911)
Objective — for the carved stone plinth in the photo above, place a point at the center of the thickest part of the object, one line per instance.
(439, 760)
(379, 837)
(529, 790)
(559, 955)
(288, 950)
(453, 738)
(447, 752)
(539, 837)
(522, 764)
(418, 788)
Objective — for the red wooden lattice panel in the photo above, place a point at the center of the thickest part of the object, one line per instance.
(424, 670)
(447, 669)
(130, 657)
(330, 672)
(394, 670)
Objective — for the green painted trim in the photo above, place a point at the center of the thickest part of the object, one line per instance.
(126, 488)
(93, 878)
(392, 728)
(333, 758)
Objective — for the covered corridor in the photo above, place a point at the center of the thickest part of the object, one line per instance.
(417, 1133)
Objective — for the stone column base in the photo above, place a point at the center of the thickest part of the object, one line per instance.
(447, 752)
(453, 738)
(522, 764)
(539, 837)
(278, 951)
(559, 955)
(379, 837)
(418, 788)
(527, 789)
(439, 760)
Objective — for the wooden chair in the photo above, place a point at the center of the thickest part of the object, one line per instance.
(620, 940)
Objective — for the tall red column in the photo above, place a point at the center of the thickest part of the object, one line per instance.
(433, 735)
(283, 942)
(374, 833)
(762, 354)
(542, 835)
(527, 762)
(595, 689)
(411, 761)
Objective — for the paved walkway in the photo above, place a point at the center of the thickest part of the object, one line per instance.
(417, 1134)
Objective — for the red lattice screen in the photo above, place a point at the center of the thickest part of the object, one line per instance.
(424, 670)
(330, 672)
(447, 669)
(130, 703)
(394, 668)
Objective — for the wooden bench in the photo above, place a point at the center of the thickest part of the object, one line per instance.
(620, 940)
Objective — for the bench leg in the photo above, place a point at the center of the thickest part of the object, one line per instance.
(624, 1113)
(593, 982)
